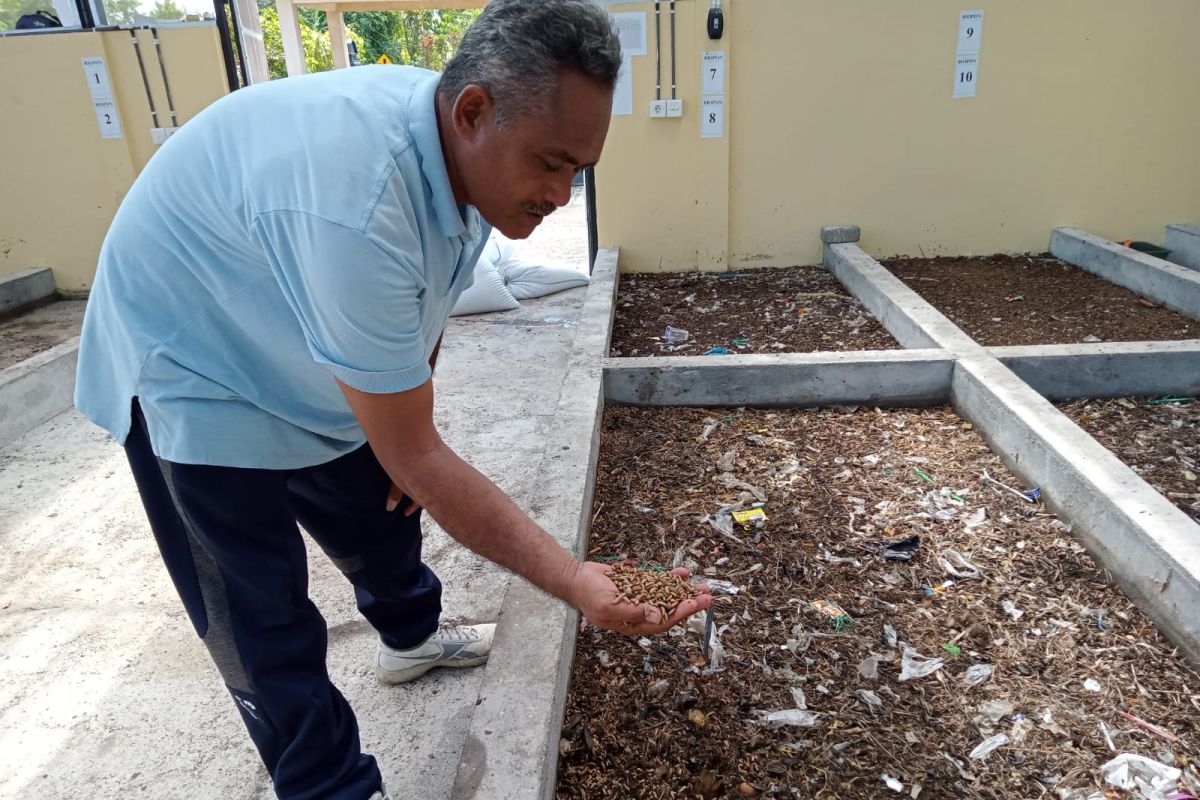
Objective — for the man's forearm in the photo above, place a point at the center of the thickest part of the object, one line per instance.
(476, 513)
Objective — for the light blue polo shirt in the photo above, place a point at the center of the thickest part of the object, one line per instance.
(291, 233)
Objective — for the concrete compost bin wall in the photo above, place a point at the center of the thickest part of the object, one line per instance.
(1150, 547)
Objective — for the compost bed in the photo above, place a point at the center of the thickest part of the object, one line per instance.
(1159, 438)
(1020, 300)
(770, 310)
(26, 333)
(646, 719)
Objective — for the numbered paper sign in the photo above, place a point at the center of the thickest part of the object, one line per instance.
(970, 32)
(97, 78)
(712, 117)
(106, 115)
(966, 73)
(105, 106)
(712, 72)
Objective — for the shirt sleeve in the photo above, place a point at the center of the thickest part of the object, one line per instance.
(359, 307)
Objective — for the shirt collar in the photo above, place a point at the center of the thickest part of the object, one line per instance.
(422, 124)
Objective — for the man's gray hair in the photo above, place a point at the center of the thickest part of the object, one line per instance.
(516, 50)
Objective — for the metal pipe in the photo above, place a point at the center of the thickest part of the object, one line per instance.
(672, 49)
(137, 48)
(163, 68)
(589, 193)
(235, 72)
(658, 49)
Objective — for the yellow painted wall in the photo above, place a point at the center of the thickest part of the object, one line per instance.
(1087, 114)
(61, 183)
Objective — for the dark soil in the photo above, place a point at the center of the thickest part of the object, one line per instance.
(788, 310)
(1016, 300)
(28, 333)
(655, 719)
(1159, 440)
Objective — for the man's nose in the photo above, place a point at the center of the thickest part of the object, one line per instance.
(560, 189)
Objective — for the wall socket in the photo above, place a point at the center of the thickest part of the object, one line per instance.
(160, 135)
(658, 108)
(675, 108)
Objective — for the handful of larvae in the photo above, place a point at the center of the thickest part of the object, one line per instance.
(664, 590)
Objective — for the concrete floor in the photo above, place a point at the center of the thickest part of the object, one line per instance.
(105, 692)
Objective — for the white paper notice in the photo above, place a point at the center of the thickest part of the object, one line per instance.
(712, 117)
(712, 72)
(102, 98)
(623, 92)
(966, 72)
(631, 27)
(970, 32)
(106, 116)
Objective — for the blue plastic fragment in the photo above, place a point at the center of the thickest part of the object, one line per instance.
(717, 351)
(1032, 495)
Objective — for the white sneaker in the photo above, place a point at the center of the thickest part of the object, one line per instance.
(449, 646)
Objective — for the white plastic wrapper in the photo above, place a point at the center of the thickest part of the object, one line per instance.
(890, 782)
(956, 564)
(1092, 685)
(869, 668)
(889, 636)
(991, 711)
(985, 748)
(977, 674)
(914, 665)
(798, 696)
(788, 716)
(869, 697)
(1011, 609)
(1152, 780)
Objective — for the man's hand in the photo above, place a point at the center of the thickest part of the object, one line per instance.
(595, 595)
(395, 495)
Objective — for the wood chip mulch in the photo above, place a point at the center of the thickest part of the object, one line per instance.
(1158, 438)
(1019, 300)
(802, 693)
(771, 310)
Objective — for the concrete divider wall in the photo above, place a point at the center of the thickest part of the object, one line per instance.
(911, 321)
(1151, 548)
(37, 389)
(511, 751)
(1184, 243)
(883, 378)
(1174, 286)
(1108, 369)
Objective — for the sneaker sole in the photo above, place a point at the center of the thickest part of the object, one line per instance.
(397, 676)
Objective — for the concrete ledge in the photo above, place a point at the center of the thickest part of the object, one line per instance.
(511, 750)
(840, 234)
(913, 322)
(796, 380)
(1116, 369)
(1151, 548)
(26, 288)
(1174, 286)
(37, 389)
(1184, 243)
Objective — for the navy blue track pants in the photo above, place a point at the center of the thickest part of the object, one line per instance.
(231, 544)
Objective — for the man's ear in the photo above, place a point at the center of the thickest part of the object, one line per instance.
(474, 110)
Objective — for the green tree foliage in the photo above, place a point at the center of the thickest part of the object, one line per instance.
(166, 9)
(13, 10)
(121, 12)
(318, 53)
